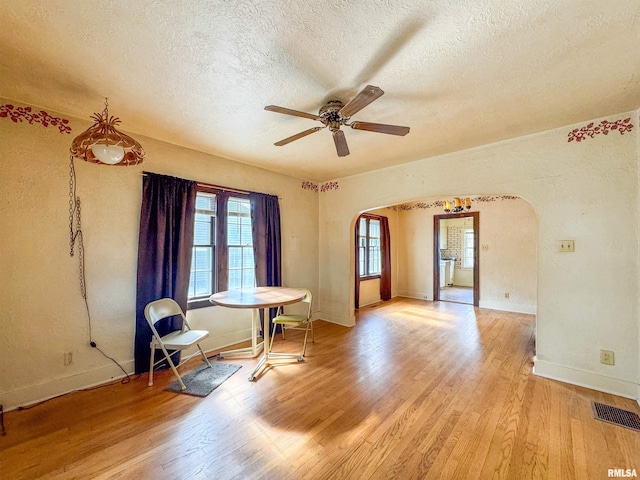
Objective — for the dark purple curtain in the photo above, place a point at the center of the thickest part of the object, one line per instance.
(385, 260)
(222, 254)
(164, 253)
(356, 294)
(265, 221)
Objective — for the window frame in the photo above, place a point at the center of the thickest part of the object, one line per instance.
(241, 246)
(202, 300)
(367, 247)
(220, 253)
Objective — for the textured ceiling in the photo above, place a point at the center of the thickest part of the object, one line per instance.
(198, 73)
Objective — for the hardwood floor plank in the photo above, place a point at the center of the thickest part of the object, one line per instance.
(416, 390)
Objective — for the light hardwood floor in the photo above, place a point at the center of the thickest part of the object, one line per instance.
(417, 390)
(457, 294)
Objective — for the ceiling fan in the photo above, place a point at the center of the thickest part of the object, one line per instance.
(334, 114)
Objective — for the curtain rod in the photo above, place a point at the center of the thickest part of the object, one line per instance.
(211, 185)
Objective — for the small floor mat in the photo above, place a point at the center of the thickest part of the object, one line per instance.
(204, 379)
(616, 416)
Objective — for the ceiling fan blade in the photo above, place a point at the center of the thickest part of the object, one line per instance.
(341, 143)
(380, 128)
(288, 111)
(297, 136)
(364, 98)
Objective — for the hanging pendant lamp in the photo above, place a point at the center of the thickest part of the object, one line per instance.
(102, 143)
(458, 205)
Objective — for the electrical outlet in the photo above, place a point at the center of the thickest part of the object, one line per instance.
(506, 295)
(567, 245)
(485, 247)
(607, 357)
(68, 358)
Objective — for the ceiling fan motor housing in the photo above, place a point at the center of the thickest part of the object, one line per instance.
(330, 116)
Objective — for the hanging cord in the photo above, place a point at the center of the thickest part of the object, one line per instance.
(75, 237)
(2, 421)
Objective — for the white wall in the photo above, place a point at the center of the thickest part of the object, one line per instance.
(43, 315)
(508, 230)
(586, 191)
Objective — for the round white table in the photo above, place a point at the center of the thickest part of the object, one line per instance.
(257, 298)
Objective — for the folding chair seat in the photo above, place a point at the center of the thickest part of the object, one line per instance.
(177, 340)
(295, 322)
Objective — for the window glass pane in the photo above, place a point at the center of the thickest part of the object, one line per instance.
(235, 279)
(374, 228)
(202, 232)
(202, 283)
(246, 237)
(374, 258)
(247, 257)
(248, 277)
(192, 284)
(235, 257)
(240, 241)
(232, 206)
(362, 246)
(206, 201)
(202, 259)
(233, 232)
(468, 249)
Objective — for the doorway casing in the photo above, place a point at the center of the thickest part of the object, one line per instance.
(476, 256)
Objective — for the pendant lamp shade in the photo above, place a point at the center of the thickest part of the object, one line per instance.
(103, 143)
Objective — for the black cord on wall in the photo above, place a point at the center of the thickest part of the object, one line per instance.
(2, 421)
(75, 238)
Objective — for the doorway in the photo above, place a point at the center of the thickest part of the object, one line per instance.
(456, 270)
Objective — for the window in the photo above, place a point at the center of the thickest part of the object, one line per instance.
(467, 261)
(240, 244)
(369, 246)
(203, 271)
(222, 257)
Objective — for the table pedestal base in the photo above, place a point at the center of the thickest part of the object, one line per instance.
(270, 359)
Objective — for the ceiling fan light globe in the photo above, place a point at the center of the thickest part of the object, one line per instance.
(108, 154)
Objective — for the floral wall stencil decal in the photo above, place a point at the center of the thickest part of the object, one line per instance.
(323, 188)
(439, 203)
(20, 114)
(329, 186)
(310, 186)
(604, 127)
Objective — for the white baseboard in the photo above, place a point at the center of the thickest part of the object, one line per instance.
(508, 306)
(582, 378)
(369, 301)
(344, 320)
(33, 394)
(45, 391)
(416, 295)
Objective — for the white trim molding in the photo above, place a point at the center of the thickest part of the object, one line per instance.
(582, 378)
